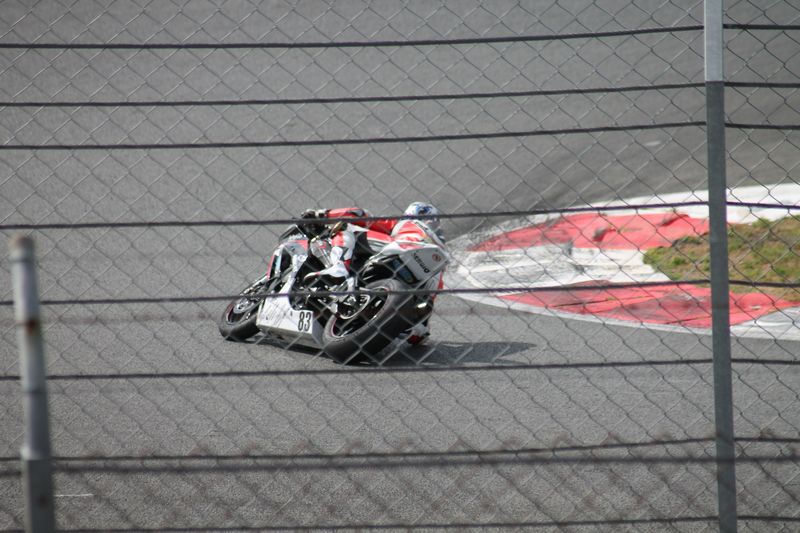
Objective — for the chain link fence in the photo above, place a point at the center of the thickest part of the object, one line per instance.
(157, 152)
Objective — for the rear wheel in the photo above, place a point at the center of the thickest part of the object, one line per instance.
(370, 323)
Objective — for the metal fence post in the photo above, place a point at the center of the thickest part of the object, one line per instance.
(35, 453)
(720, 304)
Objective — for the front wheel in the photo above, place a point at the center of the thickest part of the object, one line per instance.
(367, 326)
(238, 322)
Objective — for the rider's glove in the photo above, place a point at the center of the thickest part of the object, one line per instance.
(314, 213)
(312, 228)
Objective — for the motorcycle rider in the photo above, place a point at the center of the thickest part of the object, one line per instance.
(408, 229)
(347, 236)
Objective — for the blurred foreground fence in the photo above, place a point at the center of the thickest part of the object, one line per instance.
(156, 153)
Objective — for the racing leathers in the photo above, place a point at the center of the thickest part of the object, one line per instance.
(374, 234)
(382, 231)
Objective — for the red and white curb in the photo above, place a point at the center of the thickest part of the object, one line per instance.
(583, 250)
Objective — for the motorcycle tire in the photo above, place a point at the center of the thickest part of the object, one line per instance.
(238, 325)
(381, 321)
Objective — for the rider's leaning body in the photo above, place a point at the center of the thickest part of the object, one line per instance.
(376, 234)
(378, 231)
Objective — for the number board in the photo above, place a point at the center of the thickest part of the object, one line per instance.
(277, 314)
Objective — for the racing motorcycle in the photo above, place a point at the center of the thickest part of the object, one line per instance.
(386, 300)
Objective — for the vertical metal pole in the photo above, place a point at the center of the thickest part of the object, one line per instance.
(720, 304)
(36, 468)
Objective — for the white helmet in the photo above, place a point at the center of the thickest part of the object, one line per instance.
(427, 210)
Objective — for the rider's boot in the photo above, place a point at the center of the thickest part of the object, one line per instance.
(418, 333)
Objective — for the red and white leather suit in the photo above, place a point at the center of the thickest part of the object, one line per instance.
(379, 232)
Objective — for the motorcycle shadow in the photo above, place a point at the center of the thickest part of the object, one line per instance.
(448, 353)
(432, 353)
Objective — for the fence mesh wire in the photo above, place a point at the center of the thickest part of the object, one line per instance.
(150, 150)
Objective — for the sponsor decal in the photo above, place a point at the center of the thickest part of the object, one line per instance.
(421, 264)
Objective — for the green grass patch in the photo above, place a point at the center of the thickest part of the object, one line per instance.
(765, 251)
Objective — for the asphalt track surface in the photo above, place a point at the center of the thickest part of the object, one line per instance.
(156, 380)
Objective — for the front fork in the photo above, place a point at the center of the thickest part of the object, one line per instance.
(256, 284)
